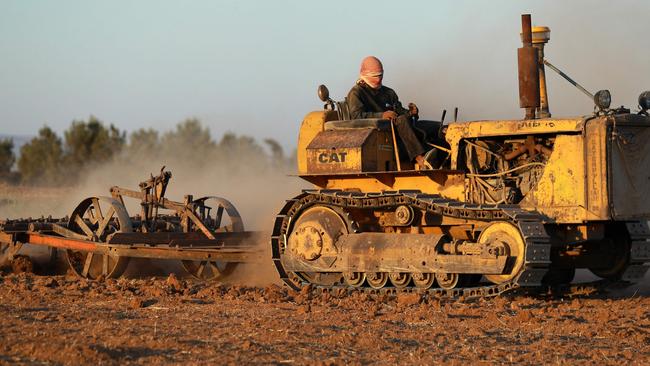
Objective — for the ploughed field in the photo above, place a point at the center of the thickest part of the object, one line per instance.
(52, 320)
(167, 320)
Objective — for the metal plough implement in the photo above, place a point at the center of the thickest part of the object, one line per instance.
(100, 237)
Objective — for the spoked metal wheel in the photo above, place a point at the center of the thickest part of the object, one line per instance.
(354, 279)
(219, 216)
(97, 219)
(423, 280)
(377, 280)
(400, 280)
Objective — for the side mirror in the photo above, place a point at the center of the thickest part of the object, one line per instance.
(323, 93)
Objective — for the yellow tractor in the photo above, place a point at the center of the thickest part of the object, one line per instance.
(508, 204)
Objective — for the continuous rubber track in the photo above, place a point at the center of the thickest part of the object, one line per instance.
(639, 251)
(537, 242)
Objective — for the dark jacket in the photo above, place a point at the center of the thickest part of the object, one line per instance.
(366, 102)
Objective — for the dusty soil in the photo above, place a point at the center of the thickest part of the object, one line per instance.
(171, 320)
(65, 320)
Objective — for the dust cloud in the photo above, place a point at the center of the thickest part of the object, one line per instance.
(23, 202)
(259, 272)
(254, 183)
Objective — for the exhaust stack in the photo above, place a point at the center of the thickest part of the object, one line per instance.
(528, 70)
(541, 36)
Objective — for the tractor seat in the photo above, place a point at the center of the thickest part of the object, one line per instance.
(374, 123)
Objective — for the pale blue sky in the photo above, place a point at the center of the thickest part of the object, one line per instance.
(253, 67)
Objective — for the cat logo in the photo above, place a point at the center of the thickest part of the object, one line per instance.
(332, 157)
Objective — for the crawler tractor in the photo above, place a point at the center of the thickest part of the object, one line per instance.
(508, 204)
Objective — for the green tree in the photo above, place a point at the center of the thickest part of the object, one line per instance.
(7, 157)
(232, 144)
(190, 139)
(40, 159)
(90, 142)
(143, 141)
(277, 154)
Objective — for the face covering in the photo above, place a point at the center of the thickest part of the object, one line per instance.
(372, 72)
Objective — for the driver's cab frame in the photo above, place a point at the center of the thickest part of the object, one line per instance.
(369, 144)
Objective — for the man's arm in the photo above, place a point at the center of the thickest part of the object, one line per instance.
(397, 105)
(399, 108)
(357, 106)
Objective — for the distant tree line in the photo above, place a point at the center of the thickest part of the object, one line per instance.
(7, 159)
(51, 160)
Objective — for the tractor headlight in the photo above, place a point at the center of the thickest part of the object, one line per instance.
(603, 99)
(644, 100)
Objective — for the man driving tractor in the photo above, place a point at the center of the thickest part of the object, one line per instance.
(369, 98)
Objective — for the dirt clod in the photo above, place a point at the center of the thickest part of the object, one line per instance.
(136, 303)
(51, 282)
(173, 282)
(304, 309)
(246, 345)
(408, 299)
(22, 264)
